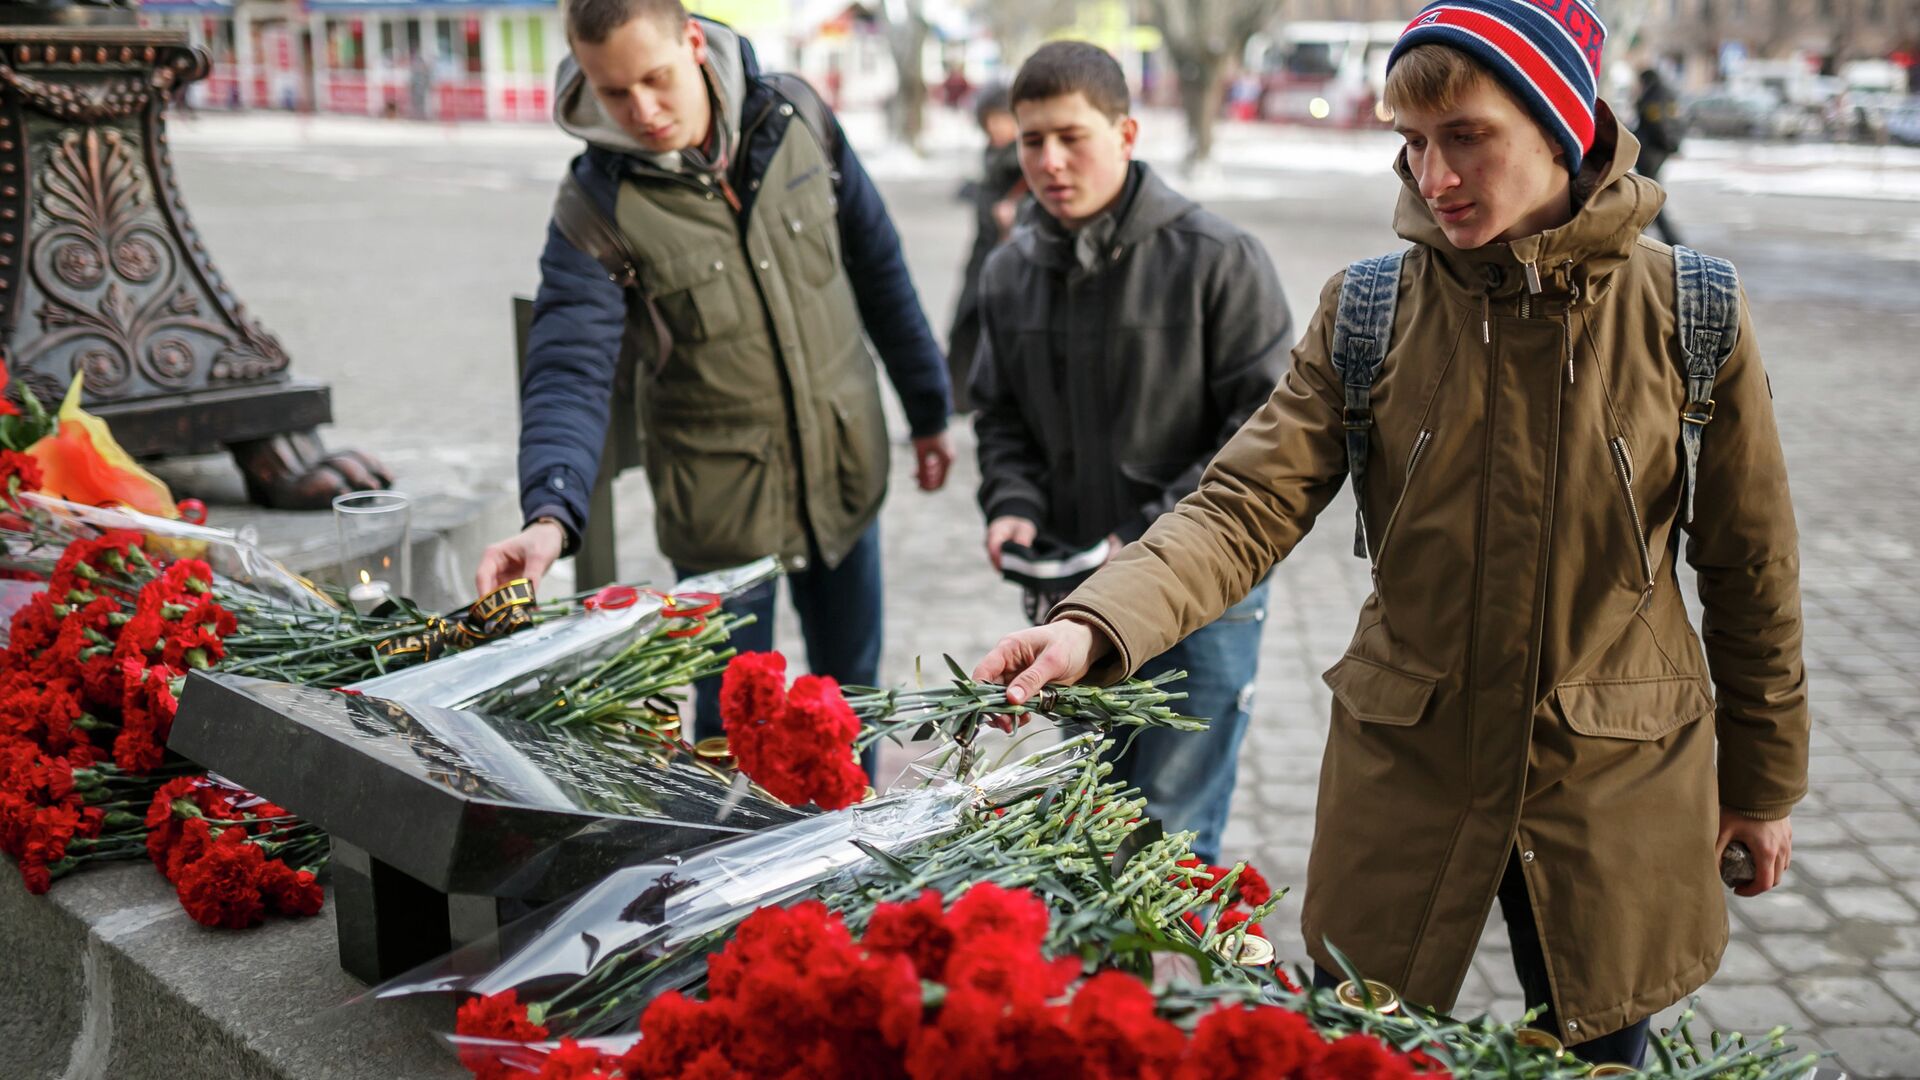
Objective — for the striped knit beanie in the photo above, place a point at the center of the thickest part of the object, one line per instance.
(1547, 52)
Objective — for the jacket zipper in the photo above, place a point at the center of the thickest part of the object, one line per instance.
(1623, 466)
(1413, 462)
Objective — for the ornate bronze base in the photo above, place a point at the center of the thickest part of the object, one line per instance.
(103, 275)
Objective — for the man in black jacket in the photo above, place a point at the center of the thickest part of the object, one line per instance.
(1126, 334)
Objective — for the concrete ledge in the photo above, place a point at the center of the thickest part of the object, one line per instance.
(106, 978)
(459, 507)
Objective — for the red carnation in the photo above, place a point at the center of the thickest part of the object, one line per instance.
(753, 690)
(497, 1016)
(33, 627)
(1232, 919)
(1253, 887)
(978, 1037)
(195, 838)
(494, 1016)
(571, 1061)
(915, 929)
(163, 825)
(222, 887)
(1263, 1041)
(798, 747)
(1120, 1034)
(987, 908)
(289, 891)
(18, 472)
(1360, 1057)
(681, 1037)
(147, 709)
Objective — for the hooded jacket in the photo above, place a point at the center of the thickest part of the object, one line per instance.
(1115, 360)
(1524, 675)
(740, 465)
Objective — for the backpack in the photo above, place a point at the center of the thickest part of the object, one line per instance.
(1707, 305)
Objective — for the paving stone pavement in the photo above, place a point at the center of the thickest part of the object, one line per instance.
(426, 243)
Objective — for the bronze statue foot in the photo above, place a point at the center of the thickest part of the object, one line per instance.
(295, 471)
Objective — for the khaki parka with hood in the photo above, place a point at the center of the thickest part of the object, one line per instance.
(1524, 675)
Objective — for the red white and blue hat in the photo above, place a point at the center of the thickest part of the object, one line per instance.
(1547, 52)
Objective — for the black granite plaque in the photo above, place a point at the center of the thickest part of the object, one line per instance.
(444, 819)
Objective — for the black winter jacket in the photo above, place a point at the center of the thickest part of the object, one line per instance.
(1103, 392)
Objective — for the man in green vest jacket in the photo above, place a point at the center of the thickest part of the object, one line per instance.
(766, 274)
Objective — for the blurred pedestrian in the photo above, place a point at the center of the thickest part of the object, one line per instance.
(1657, 124)
(955, 88)
(420, 86)
(996, 196)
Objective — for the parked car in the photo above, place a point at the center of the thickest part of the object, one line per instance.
(1747, 114)
(1903, 123)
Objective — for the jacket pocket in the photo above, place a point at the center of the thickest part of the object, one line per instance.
(695, 297)
(862, 452)
(1379, 694)
(1640, 709)
(814, 225)
(719, 493)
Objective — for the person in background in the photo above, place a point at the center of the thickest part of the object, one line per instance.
(996, 196)
(1658, 125)
(1125, 335)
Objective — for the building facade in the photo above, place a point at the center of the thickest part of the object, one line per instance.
(421, 59)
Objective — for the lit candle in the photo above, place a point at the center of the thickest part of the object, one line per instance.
(368, 594)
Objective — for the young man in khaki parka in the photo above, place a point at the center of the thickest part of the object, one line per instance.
(1523, 712)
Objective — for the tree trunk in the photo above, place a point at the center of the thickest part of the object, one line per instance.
(1202, 88)
(906, 40)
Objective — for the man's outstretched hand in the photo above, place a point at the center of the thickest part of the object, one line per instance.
(529, 554)
(1059, 652)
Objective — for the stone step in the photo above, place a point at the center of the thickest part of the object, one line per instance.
(109, 979)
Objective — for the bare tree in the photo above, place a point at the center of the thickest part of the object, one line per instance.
(1205, 38)
(1020, 25)
(906, 25)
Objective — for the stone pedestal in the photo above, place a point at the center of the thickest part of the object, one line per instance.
(108, 979)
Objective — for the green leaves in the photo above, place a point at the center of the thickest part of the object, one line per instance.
(955, 712)
(17, 432)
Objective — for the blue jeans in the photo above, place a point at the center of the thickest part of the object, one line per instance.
(1188, 776)
(841, 619)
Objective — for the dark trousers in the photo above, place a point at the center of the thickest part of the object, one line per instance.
(1188, 776)
(841, 620)
(1624, 1047)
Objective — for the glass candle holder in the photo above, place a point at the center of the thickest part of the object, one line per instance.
(376, 533)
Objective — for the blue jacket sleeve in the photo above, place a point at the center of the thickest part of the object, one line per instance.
(573, 348)
(889, 306)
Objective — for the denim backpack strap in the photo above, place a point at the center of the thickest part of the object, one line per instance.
(1362, 330)
(1707, 306)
